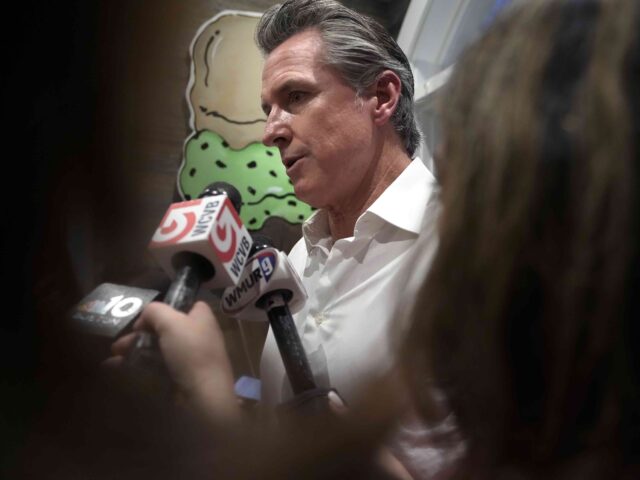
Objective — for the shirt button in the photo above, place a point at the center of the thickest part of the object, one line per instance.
(319, 318)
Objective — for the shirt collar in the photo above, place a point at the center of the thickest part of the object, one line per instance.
(402, 204)
(315, 230)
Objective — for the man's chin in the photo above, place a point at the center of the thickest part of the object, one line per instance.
(307, 195)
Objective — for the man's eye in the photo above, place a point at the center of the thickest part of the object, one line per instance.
(295, 97)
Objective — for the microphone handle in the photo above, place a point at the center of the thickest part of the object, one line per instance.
(288, 341)
(182, 292)
(181, 295)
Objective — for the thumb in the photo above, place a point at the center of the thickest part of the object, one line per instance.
(336, 403)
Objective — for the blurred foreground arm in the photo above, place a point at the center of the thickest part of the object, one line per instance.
(194, 352)
(195, 355)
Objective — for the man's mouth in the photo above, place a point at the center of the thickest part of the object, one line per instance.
(290, 161)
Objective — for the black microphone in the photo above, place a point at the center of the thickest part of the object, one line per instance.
(270, 284)
(195, 262)
(106, 313)
(199, 242)
(110, 308)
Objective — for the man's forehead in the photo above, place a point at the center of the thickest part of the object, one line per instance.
(294, 60)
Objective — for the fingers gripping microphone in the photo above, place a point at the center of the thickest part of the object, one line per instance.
(270, 284)
(200, 242)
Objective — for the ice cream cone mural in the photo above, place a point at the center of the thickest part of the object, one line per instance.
(227, 123)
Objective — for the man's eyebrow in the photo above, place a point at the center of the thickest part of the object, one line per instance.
(290, 84)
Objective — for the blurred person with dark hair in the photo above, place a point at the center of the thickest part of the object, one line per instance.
(528, 320)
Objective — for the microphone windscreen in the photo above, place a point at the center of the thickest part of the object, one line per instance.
(219, 188)
(260, 242)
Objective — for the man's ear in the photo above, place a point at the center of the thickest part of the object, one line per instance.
(386, 90)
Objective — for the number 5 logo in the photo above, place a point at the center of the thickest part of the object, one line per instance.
(176, 224)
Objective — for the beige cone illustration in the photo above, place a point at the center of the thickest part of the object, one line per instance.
(227, 124)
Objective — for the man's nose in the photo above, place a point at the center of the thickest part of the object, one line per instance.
(277, 131)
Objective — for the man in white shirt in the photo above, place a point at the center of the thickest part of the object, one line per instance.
(338, 95)
(350, 325)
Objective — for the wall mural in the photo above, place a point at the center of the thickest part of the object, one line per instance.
(227, 122)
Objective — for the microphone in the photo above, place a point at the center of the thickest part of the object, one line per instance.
(105, 314)
(267, 270)
(270, 284)
(204, 237)
(109, 309)
(199, 242)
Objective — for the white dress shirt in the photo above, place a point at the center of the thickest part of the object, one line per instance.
(359, 288)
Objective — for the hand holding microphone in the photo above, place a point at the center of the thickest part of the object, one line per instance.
(195, 356)
(200, 242)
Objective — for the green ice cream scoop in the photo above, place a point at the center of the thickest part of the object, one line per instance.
(256, 171)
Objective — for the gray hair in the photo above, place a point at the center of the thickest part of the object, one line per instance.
(357, 46)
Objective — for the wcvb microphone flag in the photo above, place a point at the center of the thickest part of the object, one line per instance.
(209, 227)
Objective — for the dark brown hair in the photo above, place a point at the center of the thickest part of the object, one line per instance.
(528, 319)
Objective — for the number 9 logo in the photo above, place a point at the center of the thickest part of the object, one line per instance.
(267, 268)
